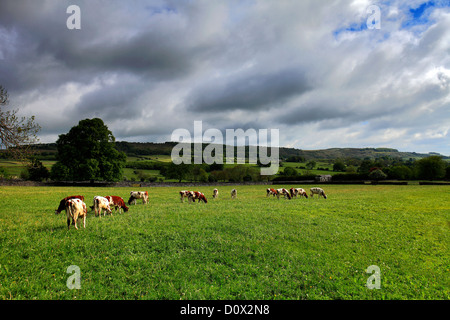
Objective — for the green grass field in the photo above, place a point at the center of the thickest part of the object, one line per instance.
(252, 247)
(14, 168)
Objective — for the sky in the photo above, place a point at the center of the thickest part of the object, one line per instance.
(326, 74)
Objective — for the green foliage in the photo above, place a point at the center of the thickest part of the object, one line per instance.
(37, 171)
(400, 172)
(310, 164)
(364, 167)
(146, 165)
(3, 173)
(203, 176)
(219, 175)
(431, 168)
(87, 152)
(295, 159)
(240, 173)
(339, 166)
(377, 174)
(178, 172)
(289, 171)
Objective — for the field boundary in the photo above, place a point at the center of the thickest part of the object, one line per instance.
(429, 183)
(320, 182)
(136, 184)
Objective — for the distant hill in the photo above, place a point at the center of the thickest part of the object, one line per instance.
(152, 148)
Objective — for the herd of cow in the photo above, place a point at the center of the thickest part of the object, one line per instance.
(75, 206)
(294, 192)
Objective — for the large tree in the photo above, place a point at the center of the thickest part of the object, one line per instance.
(178, 171)
(431, 168)
(87, 152)
(17, 134)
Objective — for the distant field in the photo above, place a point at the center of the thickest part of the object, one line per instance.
(254, 247)
(162, 158)
(14, 168)
(300, 168)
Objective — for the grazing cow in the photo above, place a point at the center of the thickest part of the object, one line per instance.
(215, 194)
(298, 191)
(117, 202)
(62, 203)
(284, 192)
(318, 191)
(185, 194)
(193, 195)
(233, 194)
(101, 203)
(138, 195)
(271, 191)
(75, 208)
(293, 192)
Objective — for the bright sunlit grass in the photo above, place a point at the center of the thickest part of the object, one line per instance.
(254, 247)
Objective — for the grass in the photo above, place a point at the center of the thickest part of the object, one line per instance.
(249, 248)
(15, 167)
(316, 171)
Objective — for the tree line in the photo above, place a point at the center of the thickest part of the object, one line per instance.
(429, 168)
(89, 152)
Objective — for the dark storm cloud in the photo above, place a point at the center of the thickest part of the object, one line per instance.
(249, 92)
(111, 102)
(47, 53)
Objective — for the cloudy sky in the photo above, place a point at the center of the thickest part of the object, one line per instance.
(319, 71)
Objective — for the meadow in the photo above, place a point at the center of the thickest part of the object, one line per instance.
(253, 247)
(14, 168)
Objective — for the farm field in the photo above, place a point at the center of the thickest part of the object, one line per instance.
(253, 247)
(14, 167)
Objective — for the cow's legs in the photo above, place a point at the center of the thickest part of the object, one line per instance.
(75, 218)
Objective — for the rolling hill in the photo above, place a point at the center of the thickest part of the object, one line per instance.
(151, 148)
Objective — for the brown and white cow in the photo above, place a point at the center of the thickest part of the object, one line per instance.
(271, 191)
(185, 194)
(197, 195)
(101, 203)
(283, 191)
(138, 195)
(233, 194)
(298, 191)
(62, 203)
(75, 208)
(117, 202)
(318, 191)
(215, 194)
